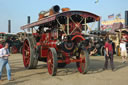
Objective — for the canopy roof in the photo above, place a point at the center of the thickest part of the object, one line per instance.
(84, 14)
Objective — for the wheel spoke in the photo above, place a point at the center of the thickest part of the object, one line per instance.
(83, 60)
(82, 65)
(26, 53)
(26, 44)
(51, 61)
(27, 62)
(51, 65)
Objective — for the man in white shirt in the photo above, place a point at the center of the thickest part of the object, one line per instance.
(4, 53)
(123, 51)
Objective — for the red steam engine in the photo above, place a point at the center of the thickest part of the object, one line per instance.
(58, 39)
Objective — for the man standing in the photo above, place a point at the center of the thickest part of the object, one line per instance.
(4, 53)
(123, 51)
(108, 55)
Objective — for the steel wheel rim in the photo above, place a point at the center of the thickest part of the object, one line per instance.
(50, 62)
(26, 53)
(81, 64)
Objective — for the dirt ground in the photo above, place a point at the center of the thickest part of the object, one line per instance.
(68, 75)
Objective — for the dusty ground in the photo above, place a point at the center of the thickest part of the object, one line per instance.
(68, 75)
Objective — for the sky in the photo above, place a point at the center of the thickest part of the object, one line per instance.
(18, 10)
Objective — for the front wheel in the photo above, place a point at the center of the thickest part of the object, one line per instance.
(83, 65)
(52, 61)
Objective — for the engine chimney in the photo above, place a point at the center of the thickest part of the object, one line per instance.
(55, 9)
(126, 19)
(9, 26)
(28, 23)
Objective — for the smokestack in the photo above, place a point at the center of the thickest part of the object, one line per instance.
(126, 19)
(28, 23)
(55, 9)
(9, 26)
(99, 25)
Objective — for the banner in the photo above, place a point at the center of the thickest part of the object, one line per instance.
(110, 22)
(112, 25)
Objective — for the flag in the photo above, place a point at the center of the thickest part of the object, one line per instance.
(118, 15)
(96, 1)
(111, 16)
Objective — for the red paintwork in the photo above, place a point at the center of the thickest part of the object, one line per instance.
(50, 62)
(38, 43)
(26, 53)
(1, 46)
(46, 43)
(44, 52)
(14, 49)
(76, 25)
(82, 65)
(78, 37)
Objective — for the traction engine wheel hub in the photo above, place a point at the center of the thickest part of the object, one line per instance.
(68, 46)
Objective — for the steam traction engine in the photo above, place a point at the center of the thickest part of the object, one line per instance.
(59, 40)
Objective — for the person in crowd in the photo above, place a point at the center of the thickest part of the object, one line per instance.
(92, 47)
(123, 51)
(108, 55)
(4, 54)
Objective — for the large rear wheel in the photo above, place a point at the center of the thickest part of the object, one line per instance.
(52, 61)
(30, 59)
(83, 65)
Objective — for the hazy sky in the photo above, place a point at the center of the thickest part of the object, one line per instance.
(18, 10)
